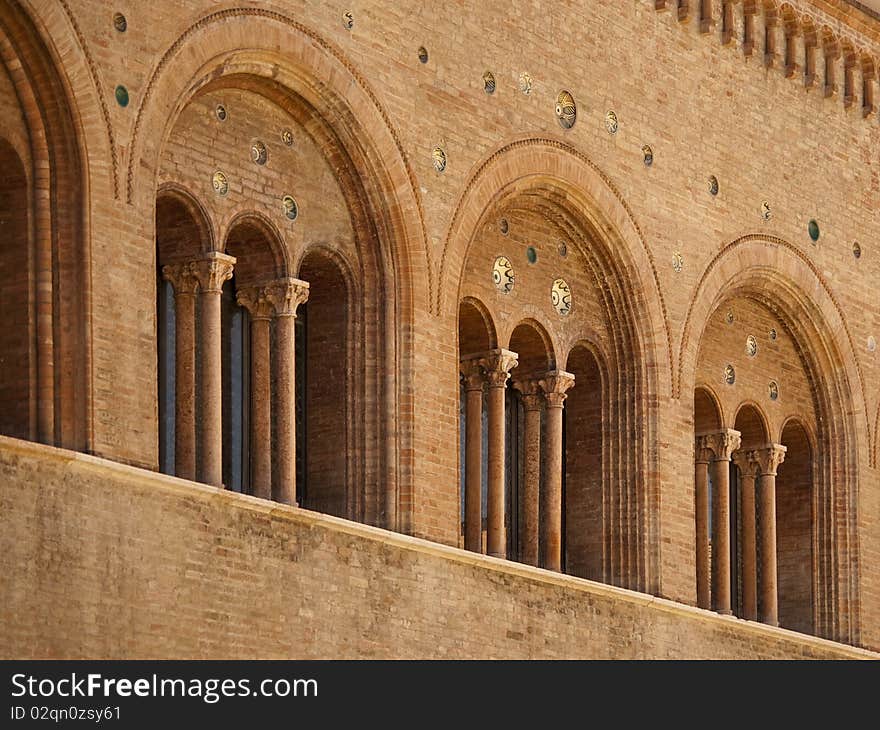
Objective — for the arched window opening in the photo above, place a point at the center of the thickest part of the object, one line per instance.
(326, 357)
(476, 337)
(18, 337)
(584, 467)
(794, 519)
(180, 239)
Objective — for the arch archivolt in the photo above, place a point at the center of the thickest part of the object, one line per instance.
(782, 278)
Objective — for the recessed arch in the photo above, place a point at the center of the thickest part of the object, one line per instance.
(314, 82)
(708, 413)
(476, 330)
(183, 228)
(532, 343)
(783, 280)
(256, 244)
(751, 421)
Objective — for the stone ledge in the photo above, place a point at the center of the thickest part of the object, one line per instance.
(122, 474)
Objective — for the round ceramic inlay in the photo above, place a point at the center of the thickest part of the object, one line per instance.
(729, 317)
(289, 206)
(502, 274)
(560, 297)
(872, 344)
(423, 54)
(562, 249)
(220, 183)
(221, 113)
(119, 22)
(813, 230)
(611, 122)
(438, 157)
(648, 154)
(122, 96)
(773, 334)
(857, 250)
(773, 390)
(713, 185)
(751, 346)
(566, 110)
(729, 375)
(287, 137)
(348, 20)
(489, 82)
(531, 255)
(259, 153)
(765, 210)
(525, 82)
(677, 262)
(504, 226)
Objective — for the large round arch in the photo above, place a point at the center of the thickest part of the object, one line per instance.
(59, 257)
(780, 278)
(551, 179)
(314, 84)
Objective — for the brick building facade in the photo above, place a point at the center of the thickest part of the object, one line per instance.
(583, 287)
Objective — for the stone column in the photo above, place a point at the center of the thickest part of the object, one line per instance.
(286, 295)
(830, 62)
(749, 470)
(771, 37)
(185, 283)
(498, 365)
(723, 445)
(702, 457)
(212, 271)
(554, 385)
(768, 460)
(532, 404)
(473, 376)
(259, 306)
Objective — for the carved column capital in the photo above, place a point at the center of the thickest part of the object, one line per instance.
(530, 391)
(768, 459)
(555, 385)
(182, 276)
(722, 443)
(213, 270)
(287, 294)
(257, 301)
(746, 462)
(703, 452)
(498, 364)
(472, 374)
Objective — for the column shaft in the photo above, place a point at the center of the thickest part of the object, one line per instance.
(285, 410)
(211, 271)
(554, 385)
(260, 410)
(749, 549)
(185, 384)
(210, 371)
(701, 506)
(495, 538)
(473, 457)
(769, 598)
(286, 295)
(551, 504)
(531, 482)
(721, 541)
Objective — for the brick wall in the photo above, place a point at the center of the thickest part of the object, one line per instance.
(103, 560)
(704, 108)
